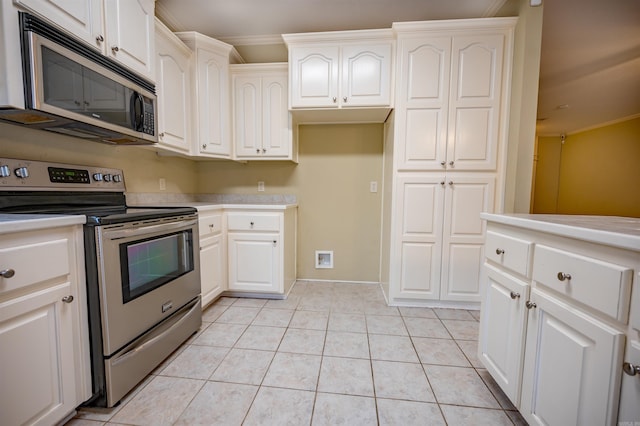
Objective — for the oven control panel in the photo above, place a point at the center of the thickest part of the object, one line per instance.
(40, 175)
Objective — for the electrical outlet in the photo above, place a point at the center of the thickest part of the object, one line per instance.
(163, 184)
(373, 186)
(261, 186)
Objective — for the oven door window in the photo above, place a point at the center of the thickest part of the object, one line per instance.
(152, 262)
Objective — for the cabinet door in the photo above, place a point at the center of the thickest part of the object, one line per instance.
(572, 366)
(254, 262)
(503, 324)
(276, 128)
(130, 34)
(314, 77)
(248, 116)
(211, 268)
(81, 18)
(474, 109)
(463, 235)
(366, 75)
(173, 86)
(213, 100)
(37, 368)
(419, 237)
(423, 103)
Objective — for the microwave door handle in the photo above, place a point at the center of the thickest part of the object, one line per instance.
(137, 104)
(135, 232)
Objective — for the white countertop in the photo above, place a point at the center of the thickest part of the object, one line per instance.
(203, 206)
(27, 222)
(622, 232)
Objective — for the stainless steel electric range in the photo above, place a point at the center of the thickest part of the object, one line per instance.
(142, 267)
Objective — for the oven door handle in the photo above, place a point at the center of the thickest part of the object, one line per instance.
(144, 230)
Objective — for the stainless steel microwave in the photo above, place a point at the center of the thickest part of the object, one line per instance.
(71, 89)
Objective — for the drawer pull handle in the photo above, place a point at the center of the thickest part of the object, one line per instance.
(530, 304)
(499, 251)
(251, 223)
(514, 295)
(7, 273)
(631, 369)
(67, 299)
(564, 276)
(211, 225)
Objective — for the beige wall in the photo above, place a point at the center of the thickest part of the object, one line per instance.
(142, 167)
(336, 210)
(596, 172)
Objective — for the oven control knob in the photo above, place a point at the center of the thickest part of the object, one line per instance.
(5, 171)
(97, 177)
(107, 177)
(22, 172)
(117, 178)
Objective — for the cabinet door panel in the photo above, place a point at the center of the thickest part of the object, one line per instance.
(248, 117)
(211, 268)
(275, 117)
(314, 77)
(463, 235)
(474, 110)
(173, 88)
(81, 18)
(130, 28)
(573, 358)
(37, 368)
(366, 75)
(211, 94)
(420, 269)
(502, 330)
(254, 262)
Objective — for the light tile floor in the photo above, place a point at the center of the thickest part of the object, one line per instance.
(330, 354)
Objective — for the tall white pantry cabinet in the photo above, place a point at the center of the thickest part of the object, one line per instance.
(449, 148)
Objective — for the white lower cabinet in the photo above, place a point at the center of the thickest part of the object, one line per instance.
(555, 320)
(503, 330)
(572, 366)
(253, 262)
(440, 240)
(261, 250)
(44, 346)
(212, 256)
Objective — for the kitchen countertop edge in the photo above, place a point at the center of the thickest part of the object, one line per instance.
(11, 223)
(596, 229)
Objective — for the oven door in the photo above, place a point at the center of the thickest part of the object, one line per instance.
(146, 272)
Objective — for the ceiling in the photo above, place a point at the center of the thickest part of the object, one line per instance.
(590, 64)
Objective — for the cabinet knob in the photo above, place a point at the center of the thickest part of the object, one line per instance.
(161, 135)
(251, 223)
(114, 49)
(7, 273)
(257, 150)
(450, 183)
(443, 163)
(344, 99)
(99, 38)
(499, 251)
(204, 146)
(67, 299)
(264, 150)
(335, 99)
(514, 295)
(631, 369)
(564, 276)
(442, 183)
(451, 163)
(530, 305)
(211, 225)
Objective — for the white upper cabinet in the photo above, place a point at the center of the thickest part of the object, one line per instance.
(210, 94)
(120, 29)
(261, 120)
(129, 34)
(173, 87)
(346, 69)
(451, 87)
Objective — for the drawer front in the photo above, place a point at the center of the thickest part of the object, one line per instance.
(509, 252)
(603, 286)
(253, 222)
(210, 225)
(34, 263)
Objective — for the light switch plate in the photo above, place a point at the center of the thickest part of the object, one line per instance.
(373, 186)
(261, 186)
